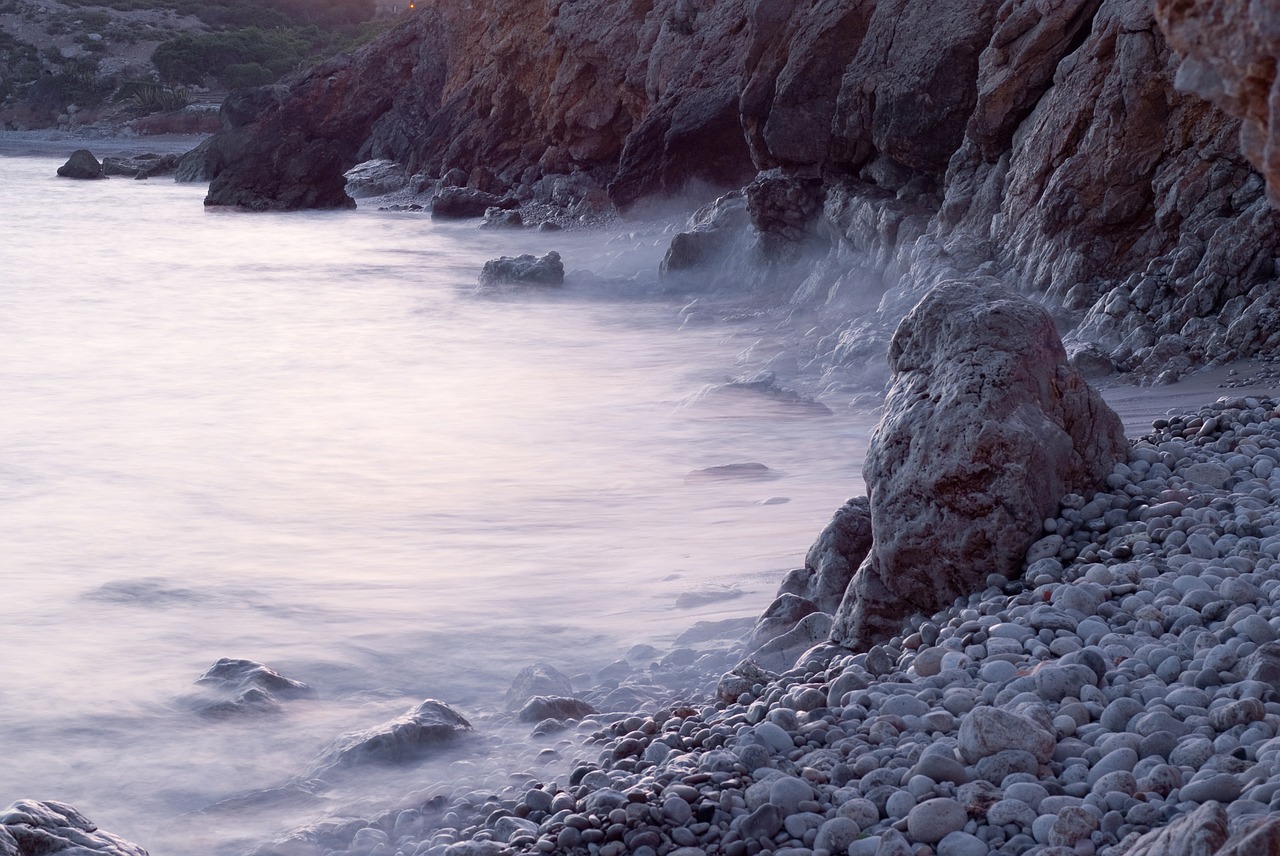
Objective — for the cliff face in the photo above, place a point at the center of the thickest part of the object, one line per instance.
(1048, 145)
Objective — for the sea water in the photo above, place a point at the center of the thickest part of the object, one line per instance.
(310, 440)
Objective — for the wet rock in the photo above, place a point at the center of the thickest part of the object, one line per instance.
(30, 827)
(715, 238)
(240, 675)
(986, 427)
(426, 728)
(539, 708)
(83, 165)
(524, 269)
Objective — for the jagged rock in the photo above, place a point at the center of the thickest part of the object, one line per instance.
(539, 679)
(715, 236)
(82, 164)
(558, 708)
(375, 178)
(985, 429)
(200, 164)
(30, 827)
(419, 732)
(465, 202)
(783, 210)
(1229, 50)
(525, 269)
(786, 611)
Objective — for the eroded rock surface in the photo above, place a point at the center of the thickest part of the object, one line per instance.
(1064, 148)
(986, 427)
(32, 828)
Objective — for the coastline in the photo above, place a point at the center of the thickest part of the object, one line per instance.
(55, 143)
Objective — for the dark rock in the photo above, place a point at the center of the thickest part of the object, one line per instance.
(426, 728)
(200, 164)
(30, 828)
(830, 564)
(82, 164)
(752, 471)
(539, 708)
(140, 166)
(714, 237)
(524, 269)
(985, 429)
(466, 202)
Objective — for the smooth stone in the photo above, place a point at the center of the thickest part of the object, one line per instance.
(932, 820)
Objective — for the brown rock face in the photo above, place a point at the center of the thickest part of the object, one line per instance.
(1230, 49)
(985, 428)
(1056, 146)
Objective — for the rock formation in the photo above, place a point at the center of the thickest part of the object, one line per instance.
(1056, 147)
(420, 731)
(524, 269)
(29, 827)
(986, 427)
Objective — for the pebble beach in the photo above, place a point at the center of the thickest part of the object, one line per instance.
(1130, 680)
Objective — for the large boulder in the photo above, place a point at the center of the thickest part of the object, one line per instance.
(30, 827)
(986, 427)
(82, 164)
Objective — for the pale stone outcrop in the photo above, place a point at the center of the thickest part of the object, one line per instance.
(985, 429)
(31, 827)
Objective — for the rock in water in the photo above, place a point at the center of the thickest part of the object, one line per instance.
(986, 428)
(82, 164)
(524, 269)
(421, 730)
(539, 708)
(29, 827)
(830, 564)
(240, 675)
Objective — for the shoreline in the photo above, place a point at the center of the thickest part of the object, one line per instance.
(54, 143)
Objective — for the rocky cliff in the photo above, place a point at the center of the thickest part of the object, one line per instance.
(1064, 149)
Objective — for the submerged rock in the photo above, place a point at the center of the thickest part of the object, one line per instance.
(140, 166)
(241, 675)
(525, 269)
(83, 165)
(985, 429)
(34, 828)
(428, 727)
(240, 687)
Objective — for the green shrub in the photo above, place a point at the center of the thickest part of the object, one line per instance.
(147, 96)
